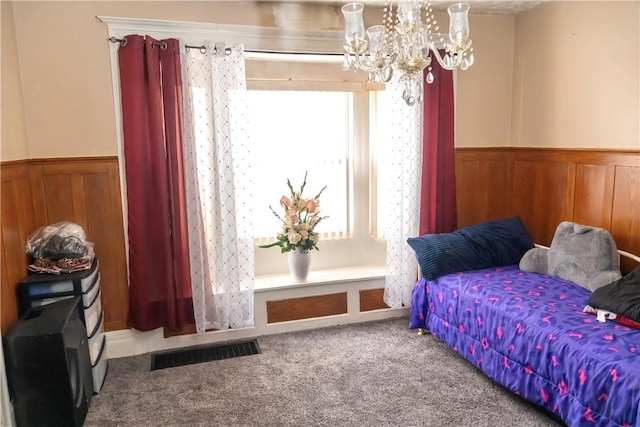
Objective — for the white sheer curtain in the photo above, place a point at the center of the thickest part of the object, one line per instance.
(400, 162)
(219, 183)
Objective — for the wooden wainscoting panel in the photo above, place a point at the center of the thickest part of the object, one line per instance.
(86, 191)
(482, 183)
(306, 307)
(95, 209)
(372, 299)
(542, 194)
(553, 197)
(625, 225)
(8, 301)
(17, 223)
(58, 198)
(547, 186)
(523, 179)
(594, 195)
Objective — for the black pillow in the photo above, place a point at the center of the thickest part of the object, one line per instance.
(489, 244)
(621, 297)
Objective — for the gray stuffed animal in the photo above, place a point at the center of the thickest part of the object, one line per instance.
(584, 255)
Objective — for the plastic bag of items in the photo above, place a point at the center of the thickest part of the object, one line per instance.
(59, 248)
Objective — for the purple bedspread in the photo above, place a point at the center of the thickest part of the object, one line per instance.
(528, 332)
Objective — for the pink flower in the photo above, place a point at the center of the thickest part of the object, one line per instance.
(311, 205)
(285, 202)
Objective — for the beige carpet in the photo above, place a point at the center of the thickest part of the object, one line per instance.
(369, 374)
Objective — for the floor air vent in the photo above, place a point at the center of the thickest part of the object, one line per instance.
(200, 354)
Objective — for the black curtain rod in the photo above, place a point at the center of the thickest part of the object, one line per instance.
(203, 49)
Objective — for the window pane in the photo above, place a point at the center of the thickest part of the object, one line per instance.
(294, 132)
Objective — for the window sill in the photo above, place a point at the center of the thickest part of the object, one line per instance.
(319, 277)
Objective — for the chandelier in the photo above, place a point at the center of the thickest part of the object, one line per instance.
(406, 41)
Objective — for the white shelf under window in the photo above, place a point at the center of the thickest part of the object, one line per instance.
(319, 277)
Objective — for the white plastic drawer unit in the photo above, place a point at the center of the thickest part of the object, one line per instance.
(86, 283)
(99, 369)
(92, 314)
(90, 295)
(97, 340)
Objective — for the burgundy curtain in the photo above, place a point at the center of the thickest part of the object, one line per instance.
(151, 91)
(438, 212)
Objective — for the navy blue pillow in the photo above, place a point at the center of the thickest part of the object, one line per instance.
(489, 244)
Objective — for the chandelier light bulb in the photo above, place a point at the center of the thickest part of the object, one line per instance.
(406, 42)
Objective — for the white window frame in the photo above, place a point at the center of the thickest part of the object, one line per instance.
(360, 248)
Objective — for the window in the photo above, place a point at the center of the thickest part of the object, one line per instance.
(302, 123)
(295, 132)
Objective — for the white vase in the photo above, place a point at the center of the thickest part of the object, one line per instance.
(299, 263)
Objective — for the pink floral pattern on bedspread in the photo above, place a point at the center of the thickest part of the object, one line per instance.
(527, 332)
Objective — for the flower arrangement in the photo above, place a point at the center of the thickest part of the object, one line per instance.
(300, 218)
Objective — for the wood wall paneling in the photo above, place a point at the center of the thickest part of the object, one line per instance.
(542, 195)
(543, 186)
(625, 223)
(306, 307)
(17, 223)
(481, 185)
(110, 243)
(372, 299)
(547, 186)
(86, 192)
(594, 195)
(522, 194)
(553, 198)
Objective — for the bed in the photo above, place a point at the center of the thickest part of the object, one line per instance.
(529, 332)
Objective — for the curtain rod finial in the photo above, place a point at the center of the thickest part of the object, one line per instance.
(123, 42)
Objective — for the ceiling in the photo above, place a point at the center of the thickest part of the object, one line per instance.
(492, 7)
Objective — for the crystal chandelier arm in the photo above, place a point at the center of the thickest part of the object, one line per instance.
(453, 58)
(363, 62)
(370, 63)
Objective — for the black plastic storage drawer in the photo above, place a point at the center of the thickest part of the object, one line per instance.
(38, 289)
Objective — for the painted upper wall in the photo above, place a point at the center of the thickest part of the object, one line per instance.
(576, 77)
(537, 80)
(64, 60)
(66, 75)
(13, 145)
(484, 91)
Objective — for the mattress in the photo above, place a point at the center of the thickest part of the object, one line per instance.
(528, 332)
